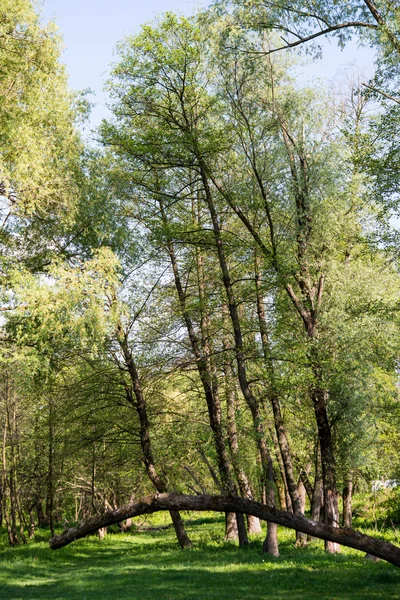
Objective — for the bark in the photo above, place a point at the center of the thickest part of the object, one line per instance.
(13, 540)
(42, 520)
(281, 485)
(273, 396)
(50, 478)
(347, 498)
(231, 528)
(159, 483)
(251, 401)
(31, 533)
(317, 503)
(302, 495)
(318, 499)
(270, 544)
(208, 377)
(303, 476)
(253, 523)
(151, 504)
(331, 510)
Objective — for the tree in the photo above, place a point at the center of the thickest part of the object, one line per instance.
(151, 504)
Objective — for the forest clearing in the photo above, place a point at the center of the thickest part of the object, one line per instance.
(200, 309)
(147, 564)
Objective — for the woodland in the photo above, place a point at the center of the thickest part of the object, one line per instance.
(200, 309)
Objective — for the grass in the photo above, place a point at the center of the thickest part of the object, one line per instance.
(148, 565)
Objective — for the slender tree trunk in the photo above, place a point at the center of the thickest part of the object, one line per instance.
(50, 478)
(331, 510)
(141, 408)
(239, 354)
(208, 378)
(273, 396)
(253, 523)
(303, 476)
(317, 503)
(283, 443)
(13, 540)
(231, 527)
(347, 498)
(283, 492)
(318, 499)
(302, 495)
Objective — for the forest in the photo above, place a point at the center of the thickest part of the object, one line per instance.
(200, 308)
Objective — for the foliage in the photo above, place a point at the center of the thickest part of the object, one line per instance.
(214, 293)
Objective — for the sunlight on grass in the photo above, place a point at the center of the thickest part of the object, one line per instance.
(148, 565)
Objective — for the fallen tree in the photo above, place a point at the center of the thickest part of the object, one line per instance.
(342, 535)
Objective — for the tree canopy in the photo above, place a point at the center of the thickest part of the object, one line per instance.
(207, 301)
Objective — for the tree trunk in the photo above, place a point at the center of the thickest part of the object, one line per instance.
(209, 380)
(42, 520)
(347, 499)
(254, 526)
(270, 544)
(331, 510)
(180, 532)
(281, 485)
(317, 502)
(273, 396)
(343, 535)
(50, 477)
(301, 490)
(159, 483)
(251, 401)
(231, 528)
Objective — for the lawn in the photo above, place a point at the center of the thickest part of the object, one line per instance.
(148, 565)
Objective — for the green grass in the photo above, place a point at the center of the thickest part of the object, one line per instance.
(149, 565)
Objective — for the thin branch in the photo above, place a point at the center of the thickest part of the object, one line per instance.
(374, 89)
(318, 34)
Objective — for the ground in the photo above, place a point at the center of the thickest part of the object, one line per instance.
(148, 565)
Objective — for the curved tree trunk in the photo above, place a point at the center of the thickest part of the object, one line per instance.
(342, 535)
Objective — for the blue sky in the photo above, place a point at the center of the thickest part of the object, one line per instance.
(92, 28)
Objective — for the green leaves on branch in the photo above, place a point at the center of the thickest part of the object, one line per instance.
(68, 311)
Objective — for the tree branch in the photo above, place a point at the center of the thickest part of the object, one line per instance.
(374, 89)
(313, 36)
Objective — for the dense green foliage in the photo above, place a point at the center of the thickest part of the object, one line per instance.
(210, 301)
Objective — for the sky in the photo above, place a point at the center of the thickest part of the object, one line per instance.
(92, 28)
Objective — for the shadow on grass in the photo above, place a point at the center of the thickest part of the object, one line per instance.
(148, 582)
(151, 566)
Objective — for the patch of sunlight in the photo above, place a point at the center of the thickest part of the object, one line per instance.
(36, 582)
